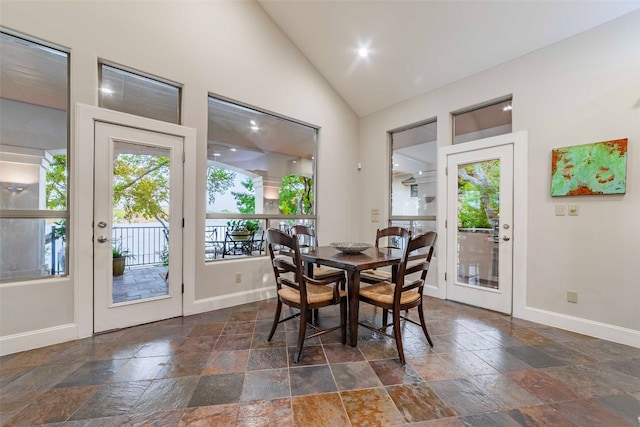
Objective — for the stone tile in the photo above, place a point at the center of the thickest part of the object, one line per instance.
(603, 351)
(144, 368)
(354, 375)
(371, 407)
(267, 358)
(202, 344)
(183, 365)
(541, 385)
(163, 418)
(323, 410)
(378, 349)
(564, 354)
(594, 380)
(468, 363)
(338, 353)
(160, 347)
(629, 367)
(463, 397)
(206, 329)
(587, 413)
(311, 379)
(418, 402)
(259, 340)
(277, 413)
(205, 416)
(111, 400)
(234, 342)
(433, 367)
(501, 419)
(217, 390)
(225, 362)
(533, 357)
(543, 415)
(166, 394)
(41, 377)
(472, 341)
(311, 355)
(265, 385)
(506, 393)
(625, 406)
(391, 372)
(56, 406)
(238, 328)
(89, 373)
(501, 360)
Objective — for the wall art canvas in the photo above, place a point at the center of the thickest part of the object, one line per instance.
(599, 168)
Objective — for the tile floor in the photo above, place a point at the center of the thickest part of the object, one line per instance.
(217, 369)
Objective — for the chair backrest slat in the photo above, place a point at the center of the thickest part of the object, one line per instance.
(426, 242)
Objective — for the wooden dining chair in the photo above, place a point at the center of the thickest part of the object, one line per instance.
(300, 291)
(306, 237)
(386, 238)
(405, 293)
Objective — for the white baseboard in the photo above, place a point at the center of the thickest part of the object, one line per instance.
(230, 300)
(579, 325)
(35, 339)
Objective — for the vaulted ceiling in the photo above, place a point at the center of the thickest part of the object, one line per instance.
(417, 46)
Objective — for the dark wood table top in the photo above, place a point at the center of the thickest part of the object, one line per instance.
(369, 258)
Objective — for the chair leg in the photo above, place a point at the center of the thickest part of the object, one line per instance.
(398, 334)
(343, 320)
(423, 324)
(385, 317)
(302, 331)
(275, 320)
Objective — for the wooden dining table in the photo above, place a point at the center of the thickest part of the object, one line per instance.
(352, 264)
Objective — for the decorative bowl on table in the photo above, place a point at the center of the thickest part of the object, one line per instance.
(351, 247)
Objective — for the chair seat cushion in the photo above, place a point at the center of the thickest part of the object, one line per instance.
(383, 293)
(315, 293)
(322, 272)
(375, 275)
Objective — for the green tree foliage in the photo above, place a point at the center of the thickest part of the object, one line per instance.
(296, 195)
(246, 200)
(478, 191)
(219, 180)
(141, 186)
(56, 187)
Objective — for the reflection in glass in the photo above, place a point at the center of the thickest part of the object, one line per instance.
(141, 195)
(478, 218)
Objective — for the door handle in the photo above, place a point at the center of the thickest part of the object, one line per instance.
(102, 239)
(506, 238)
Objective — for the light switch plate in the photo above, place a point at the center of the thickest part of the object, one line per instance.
(572, 296)
(574, 210)
(561, 210)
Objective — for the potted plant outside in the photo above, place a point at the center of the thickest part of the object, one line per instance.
(119, 260)
(238, 230)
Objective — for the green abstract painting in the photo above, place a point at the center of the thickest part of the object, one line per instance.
(599, 168)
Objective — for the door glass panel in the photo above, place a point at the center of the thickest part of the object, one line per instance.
(140, 233)
(478, 219)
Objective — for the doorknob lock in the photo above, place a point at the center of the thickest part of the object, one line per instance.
(102, 239)
(506, 238)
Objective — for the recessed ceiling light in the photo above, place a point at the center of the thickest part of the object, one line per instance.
(254, 128)
(253, 122)
(217, 154)
(363, 52)
(507, 108)
(233, 149)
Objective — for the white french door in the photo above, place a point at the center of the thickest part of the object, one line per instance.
(479, 228)
(146, 291)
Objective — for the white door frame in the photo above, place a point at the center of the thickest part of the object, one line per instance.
(82, 197)
(519, 140)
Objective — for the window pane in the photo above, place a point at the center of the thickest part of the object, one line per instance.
(32, 248)
(135, 94)
(413, 178)
(33, 129)
(483, 122)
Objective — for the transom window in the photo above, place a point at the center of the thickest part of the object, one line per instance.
(143, 96)
(482, 121)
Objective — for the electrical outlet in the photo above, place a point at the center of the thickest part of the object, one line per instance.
(238, 277)
(572, 296)
(574, 210)
(561, 210)
(374, 218)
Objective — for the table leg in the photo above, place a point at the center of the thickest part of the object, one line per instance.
(354, 305)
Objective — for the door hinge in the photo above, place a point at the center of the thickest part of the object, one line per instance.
(446, 170)
(445, 223)
(445, 277)
(183, 288)
(182, 222)
(183, 156)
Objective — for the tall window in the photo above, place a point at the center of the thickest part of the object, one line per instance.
(260, 173)
(413, 177)
(34, 211)
(136, 94)
(482, 121)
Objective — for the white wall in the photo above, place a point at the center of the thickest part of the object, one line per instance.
(228, 48)
(582, 90)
